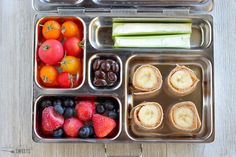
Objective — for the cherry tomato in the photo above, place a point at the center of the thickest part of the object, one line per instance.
(71, 65)
(70, 29)
(51, 52)
(65, 80)
(48, 74)
(51, 30)
(73, 46)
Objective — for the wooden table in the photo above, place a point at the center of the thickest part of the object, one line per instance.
(16, 18)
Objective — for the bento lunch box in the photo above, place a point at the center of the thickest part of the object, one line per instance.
(95, 17)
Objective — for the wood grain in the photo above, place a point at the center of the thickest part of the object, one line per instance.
(16, 17)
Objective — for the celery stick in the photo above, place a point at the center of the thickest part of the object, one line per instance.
(163, 41)
(124, 29)
(151, 20)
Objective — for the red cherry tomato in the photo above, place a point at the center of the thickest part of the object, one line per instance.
(51, 52)
(65, 80)
(73, 46)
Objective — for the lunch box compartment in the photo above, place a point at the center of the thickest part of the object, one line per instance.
(200, 96)
(39, 39)
(91, 71)
(41, 137)
(100, 29)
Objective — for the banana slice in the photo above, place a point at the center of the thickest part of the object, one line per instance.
(148, 115)
(184, 116)
(147, 78)
(181, 81)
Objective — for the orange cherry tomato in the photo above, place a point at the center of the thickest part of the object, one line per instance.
(51, 30)
(70, 29)
(71, 65)
(48, 74)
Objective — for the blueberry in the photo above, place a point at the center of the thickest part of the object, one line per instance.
(100, 109)
(58, 133)
(69, 112)
(69, 103)
(57, 102)
(113, 115)
(109, 105)
(59, 109)
(91, 131)
(46, 103)
(84, 132)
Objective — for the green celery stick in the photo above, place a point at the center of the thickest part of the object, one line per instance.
(158, 41)
(125, 29)
(151, 20)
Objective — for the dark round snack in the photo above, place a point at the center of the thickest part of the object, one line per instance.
(100, 109)
(84, 132)
(69, 102)
(115, 67)
(69, 112)
(110, 61)
(109, 105)
(112, 77)
(100, 82)
(46, 103)
(57, 102)
(96, 64)
(113, 115)
(105, 66)
(59, 109)
(58, 133)
(99, 74)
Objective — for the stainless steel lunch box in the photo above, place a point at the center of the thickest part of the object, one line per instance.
(96, 16)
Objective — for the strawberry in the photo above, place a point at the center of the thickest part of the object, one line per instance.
(51, 120)
(65, 80)
(103, 125)
(85, 110)
(72, 126)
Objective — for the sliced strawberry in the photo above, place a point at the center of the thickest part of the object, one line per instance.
(72, 126)
(51, 120)
(103, 125)
(85, 110)
(47, 132)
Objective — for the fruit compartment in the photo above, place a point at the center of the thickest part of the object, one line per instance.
(104, 58)
(201, 96)
(41, 136)
(100, 29)
(78, 78)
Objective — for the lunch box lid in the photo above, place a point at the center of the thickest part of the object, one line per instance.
(119, 6)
